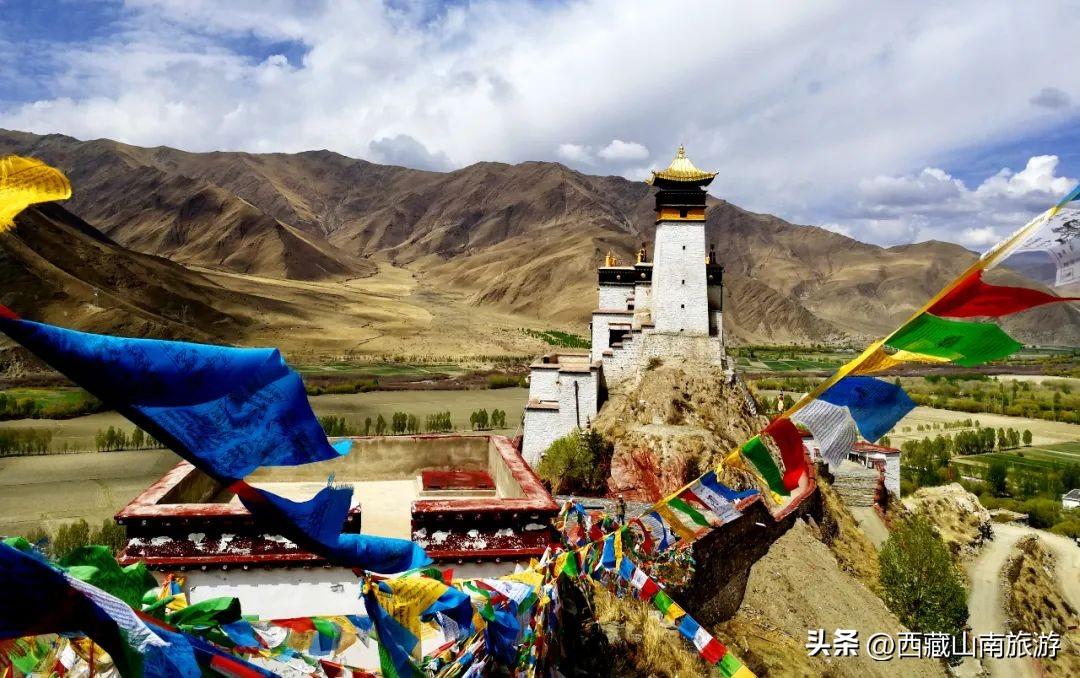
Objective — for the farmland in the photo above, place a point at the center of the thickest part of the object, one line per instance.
(1035, 459)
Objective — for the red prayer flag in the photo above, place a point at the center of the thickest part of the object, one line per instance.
(649, 589)
(789, 440)
(713, 651)
(973, 298)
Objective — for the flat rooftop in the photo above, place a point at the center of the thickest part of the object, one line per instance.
(403, 486)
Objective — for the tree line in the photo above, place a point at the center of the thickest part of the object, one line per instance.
(403, 423)
(114, 439)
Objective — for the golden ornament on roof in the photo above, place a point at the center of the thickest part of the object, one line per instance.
(681, 169)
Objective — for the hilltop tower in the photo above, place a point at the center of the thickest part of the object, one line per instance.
(680, 295)
(668, 306)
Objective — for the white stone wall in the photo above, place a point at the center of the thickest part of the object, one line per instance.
(614, 296)
(675, 347)
(601, 331)
(543, 384)
(577, 414)
(642, 303)
(892, 474)
(541, 428)
(625, 362)
(680, 300)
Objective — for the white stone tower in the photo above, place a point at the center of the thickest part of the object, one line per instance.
(680, 285)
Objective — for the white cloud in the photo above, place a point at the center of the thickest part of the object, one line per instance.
(619, 150)
(934, 204)
(817, 112)
(574, 153)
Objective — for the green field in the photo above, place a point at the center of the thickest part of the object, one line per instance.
(49, 397)
(383, 369)
(1044, 458)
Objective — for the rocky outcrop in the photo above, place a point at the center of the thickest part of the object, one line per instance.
(956, 514)
(671, 425)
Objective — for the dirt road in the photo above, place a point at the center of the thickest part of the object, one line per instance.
(985, 600)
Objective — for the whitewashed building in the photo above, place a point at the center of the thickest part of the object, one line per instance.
(669, 306)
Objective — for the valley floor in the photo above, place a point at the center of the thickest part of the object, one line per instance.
(396, 312)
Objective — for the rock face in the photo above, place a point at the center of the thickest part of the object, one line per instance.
(797, 586)
(957, 515)
(1034, 603)
(670, 426)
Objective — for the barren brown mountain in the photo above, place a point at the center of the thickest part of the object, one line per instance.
(521, 239)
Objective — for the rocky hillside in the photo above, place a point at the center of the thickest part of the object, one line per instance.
(671, 426)
(56, 268)
(525, 238)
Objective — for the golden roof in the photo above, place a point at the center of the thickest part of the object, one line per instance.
(681, 169)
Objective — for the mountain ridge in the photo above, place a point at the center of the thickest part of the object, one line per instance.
(524, 237)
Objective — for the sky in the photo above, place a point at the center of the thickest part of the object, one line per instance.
(889, 122)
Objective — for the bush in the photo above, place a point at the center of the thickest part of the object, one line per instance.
(504, 381)
(1042, 513)
(918, 579)
(577, 463)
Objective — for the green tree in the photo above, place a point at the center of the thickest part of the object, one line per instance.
(367, 426)
(997, 478)
(110, 534)
(919, 582)
(1027, 437)
(578, 462)
(70, 537)
(380, 426)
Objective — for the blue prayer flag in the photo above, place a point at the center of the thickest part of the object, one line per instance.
(226, 410)
(875, 405)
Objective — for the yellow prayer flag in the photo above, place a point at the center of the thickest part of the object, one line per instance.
(409, 597)
(676, 525)
(879, 361)
(24, 182)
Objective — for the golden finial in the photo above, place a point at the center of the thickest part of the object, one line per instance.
(610, 260)
(681, 169)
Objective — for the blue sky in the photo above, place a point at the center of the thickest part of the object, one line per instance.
(888, 122)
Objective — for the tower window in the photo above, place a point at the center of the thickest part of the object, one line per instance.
(682, 305)
(684, 247)
(684, 282)
(682, 212)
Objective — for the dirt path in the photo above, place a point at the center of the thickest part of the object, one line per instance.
(871, 524)
(985, 602)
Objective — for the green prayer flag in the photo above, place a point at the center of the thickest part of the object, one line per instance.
(206, 614)
(570, 567)
(325, 627)
(689, 511)
(965, 343)
(97, 566)
(662, 601)
(729, 664)
(762, 459)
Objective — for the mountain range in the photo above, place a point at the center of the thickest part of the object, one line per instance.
(521, 240)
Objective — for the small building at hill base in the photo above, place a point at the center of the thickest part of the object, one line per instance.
(665, 307)
(470, 501)
(885, 459)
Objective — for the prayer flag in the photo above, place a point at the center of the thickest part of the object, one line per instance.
(875, 405)
(731, 667)
(673, 521)
(789, 440)
(658, 530)
(755, 451)
(226, 410)
(683, 507)
(1053, 232)
(316, 525)
(964, 343)
(50, 601)
(879, 361)
(973, 298)
(710, 481)
(26, 181)
(832, 426)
